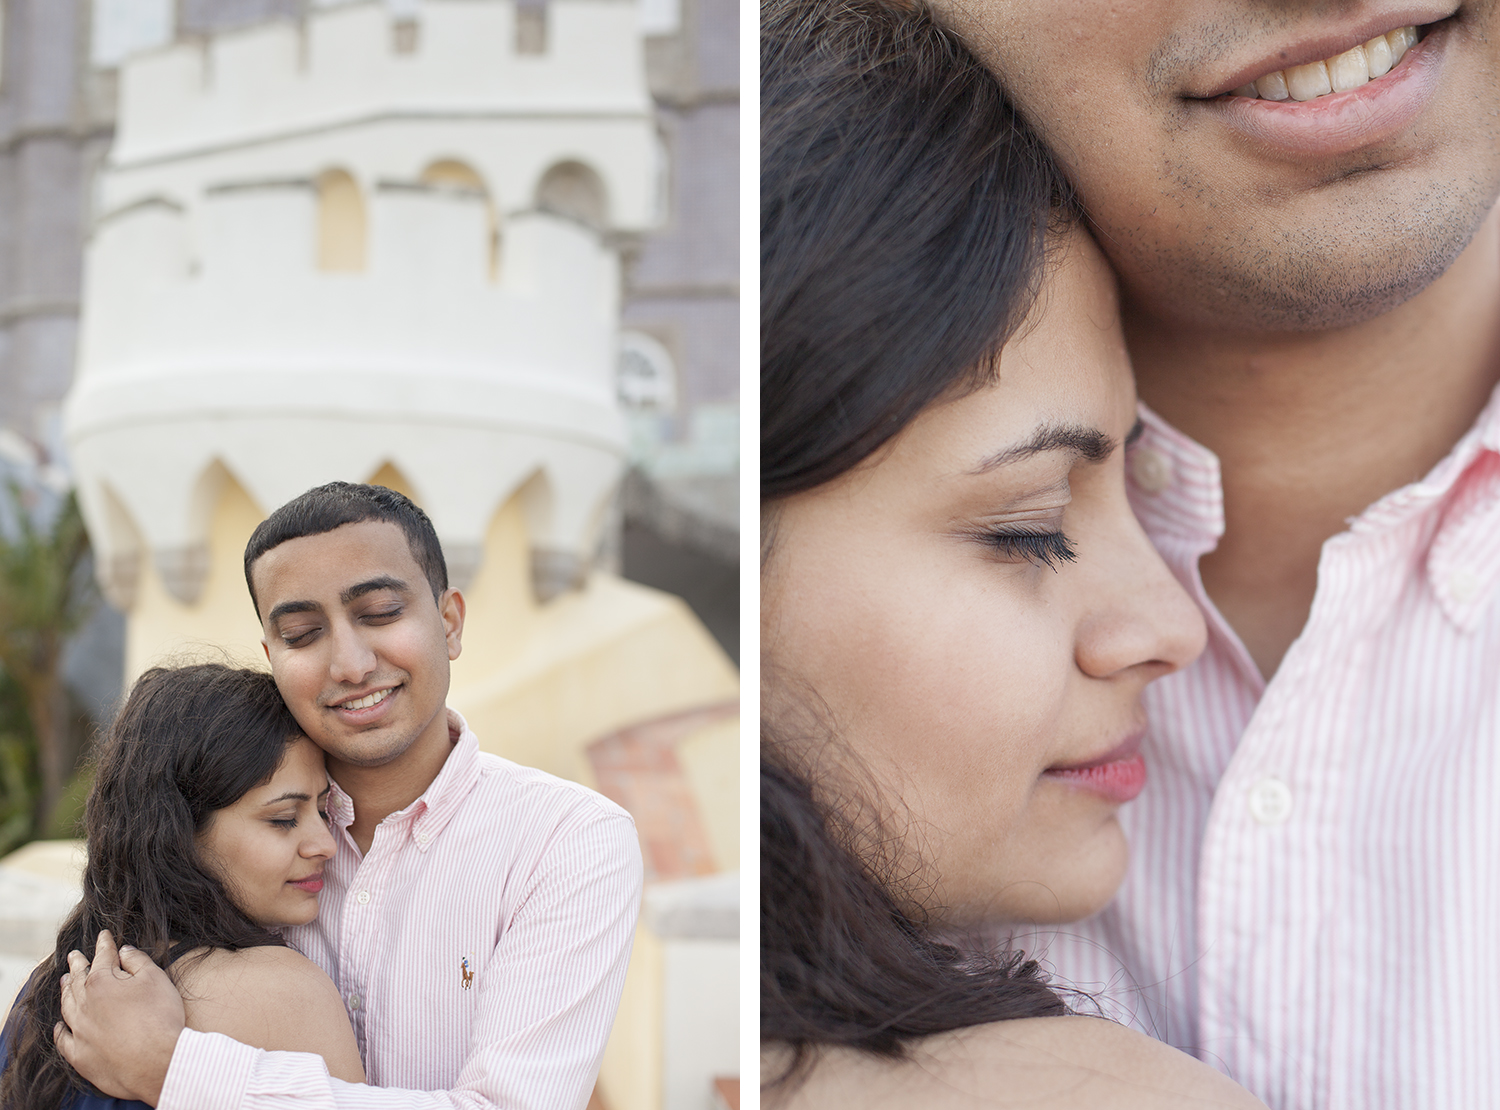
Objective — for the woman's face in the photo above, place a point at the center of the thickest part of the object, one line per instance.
(973, 613)
(270, 846)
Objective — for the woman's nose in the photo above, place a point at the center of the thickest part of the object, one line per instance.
(319, 843)
(1142, 615)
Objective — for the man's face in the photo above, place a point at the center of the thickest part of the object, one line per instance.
(1227, 211)
(359, 649)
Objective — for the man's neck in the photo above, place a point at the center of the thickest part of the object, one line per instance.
(1312, 428)
(378, 792)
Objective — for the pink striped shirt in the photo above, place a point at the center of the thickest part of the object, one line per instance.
(1313, 903)
(480, 948)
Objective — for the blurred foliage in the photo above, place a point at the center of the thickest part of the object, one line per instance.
(66, 821)
(46, 594)
(20, 776)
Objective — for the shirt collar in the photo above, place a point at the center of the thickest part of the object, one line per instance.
(426, 817)
(1175, 483)
(1176, 489)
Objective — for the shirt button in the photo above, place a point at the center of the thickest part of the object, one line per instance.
(422, 839)
(1271, 801)
(1150, 470)
(354, 1002)
(1463, 585)
(363, 898)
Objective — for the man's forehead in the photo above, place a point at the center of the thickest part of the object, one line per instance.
(329, 564)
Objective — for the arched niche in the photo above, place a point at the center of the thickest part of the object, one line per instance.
(343, 226)
(117, 566)
(390, 476)
(454, 174)
(575, 191)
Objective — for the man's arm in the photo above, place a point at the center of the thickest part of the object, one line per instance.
(547, 1002)
(121, 1020)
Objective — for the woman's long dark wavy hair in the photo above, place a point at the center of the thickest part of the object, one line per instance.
(904, 214)
(188, 742)
(904, 208)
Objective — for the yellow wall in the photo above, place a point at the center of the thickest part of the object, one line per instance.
(710, 759)
(162, 629)
(630, 1078)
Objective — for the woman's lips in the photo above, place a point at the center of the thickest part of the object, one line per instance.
(1117, 781)
(312, 884)
(1342, 122)
(1116, 776)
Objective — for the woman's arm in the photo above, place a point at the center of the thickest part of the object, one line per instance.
(271, 998)
(1057, 1063)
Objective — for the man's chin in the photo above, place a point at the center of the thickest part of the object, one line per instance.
(1325, 285)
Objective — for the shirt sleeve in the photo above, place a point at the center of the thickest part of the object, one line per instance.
(547, 1003)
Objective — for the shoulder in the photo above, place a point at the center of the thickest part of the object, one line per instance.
(1061, 1063)
(544, 796)
(264, 967)
(273, 998)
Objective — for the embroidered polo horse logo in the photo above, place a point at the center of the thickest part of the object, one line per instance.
(468, 974)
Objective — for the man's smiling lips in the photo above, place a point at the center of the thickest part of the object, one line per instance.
(1316, 46)
(366, 706)
(1379, 111)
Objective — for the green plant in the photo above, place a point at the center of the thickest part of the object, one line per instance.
(45, 595)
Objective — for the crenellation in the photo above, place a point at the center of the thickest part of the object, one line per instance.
(246, 66)
(341, 65)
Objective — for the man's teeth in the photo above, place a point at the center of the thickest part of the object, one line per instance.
(365, 702)
(1349, 70)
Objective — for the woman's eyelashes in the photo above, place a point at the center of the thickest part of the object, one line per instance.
(1038, 546)
(287, 824)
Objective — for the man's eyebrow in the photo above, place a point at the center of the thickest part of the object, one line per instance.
(369, 586)
(291, 607)
(1089, 443)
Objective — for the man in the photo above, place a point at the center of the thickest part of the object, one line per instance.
(478, 915)
(1309, 263)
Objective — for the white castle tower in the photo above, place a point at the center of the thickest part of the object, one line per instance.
(374, 247)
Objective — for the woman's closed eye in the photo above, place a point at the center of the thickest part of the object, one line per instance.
(1038, 546)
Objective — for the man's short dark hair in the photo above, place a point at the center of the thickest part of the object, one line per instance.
(333, 505)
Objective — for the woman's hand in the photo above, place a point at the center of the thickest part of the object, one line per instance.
(121, 1020)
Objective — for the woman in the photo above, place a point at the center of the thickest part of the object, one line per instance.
(206, 833)
(959, 611)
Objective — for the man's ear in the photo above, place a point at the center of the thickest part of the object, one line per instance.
(265, 647)
(451, 609)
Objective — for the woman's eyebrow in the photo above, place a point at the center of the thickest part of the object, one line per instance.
(1089, 443)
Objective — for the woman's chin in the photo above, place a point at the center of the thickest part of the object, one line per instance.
(305, 917)
(1068, 884)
